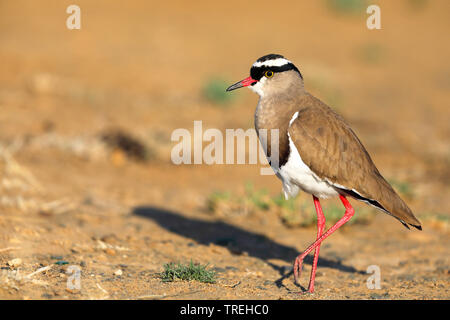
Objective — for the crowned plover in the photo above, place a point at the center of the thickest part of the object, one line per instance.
(318, 152)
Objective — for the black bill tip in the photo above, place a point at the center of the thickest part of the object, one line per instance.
(235, 86)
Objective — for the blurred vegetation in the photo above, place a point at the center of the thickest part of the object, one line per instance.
(404, 188)
(439, 221)
(418, 4)
(227, 203)
(326, 92)
(215, 198)
(298, 212)
(347, 6)
(371, 53)
(187, 272)
(214, 91)
(258, 198)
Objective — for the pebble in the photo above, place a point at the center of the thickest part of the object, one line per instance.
(118, 272)
(110, 238)
(110, 252)
(15, 262)
(231, 268)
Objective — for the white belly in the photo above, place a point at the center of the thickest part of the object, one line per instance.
(295, 175)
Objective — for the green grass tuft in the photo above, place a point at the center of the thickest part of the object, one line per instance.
(347, 6)
(257, 198)
(187, 272)
(214, 91)
(214, 199)
(371, 53)
(403, 187)
(418, 4)
(331, 94)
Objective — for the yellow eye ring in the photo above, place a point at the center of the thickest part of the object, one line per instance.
(268, 74)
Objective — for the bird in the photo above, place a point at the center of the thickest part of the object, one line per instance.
(316, 151)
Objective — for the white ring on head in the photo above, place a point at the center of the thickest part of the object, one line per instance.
(278, 62)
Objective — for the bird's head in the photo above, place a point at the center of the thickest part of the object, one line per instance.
(271, 74)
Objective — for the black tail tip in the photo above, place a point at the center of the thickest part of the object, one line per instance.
(417, 227)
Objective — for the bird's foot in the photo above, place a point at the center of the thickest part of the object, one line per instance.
(298, 264)
(304, 292)
(310, 290)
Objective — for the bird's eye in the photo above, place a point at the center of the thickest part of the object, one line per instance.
(269, 74)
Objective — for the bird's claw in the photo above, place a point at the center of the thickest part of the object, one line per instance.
(298, 268)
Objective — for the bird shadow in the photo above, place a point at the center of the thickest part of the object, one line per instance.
(237, 240)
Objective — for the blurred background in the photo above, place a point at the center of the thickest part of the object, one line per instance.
(86, 118)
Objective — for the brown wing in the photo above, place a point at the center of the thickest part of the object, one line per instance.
(333, 151)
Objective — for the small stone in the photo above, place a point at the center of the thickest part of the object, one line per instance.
(110, 252)
(118, 272)
(15, 262)
(110, 238)
(101, 258)
(231, 268)
(73, 291)
(118, 158)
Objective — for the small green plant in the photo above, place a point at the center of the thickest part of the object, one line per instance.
(214, 200)
(440, 221)
(187, 272)
(333, 213)
(418, 4)
(371, 53)
(347, 6)
(257, 198)
(332, 95)
(281, 202)
(441, 217)
(288, 211)
(403, 187)
(214, 91)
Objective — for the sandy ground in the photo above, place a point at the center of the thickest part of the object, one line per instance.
(69, 200)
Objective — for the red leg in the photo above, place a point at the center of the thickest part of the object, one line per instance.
(349, 211)
(320, 227)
